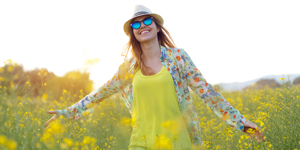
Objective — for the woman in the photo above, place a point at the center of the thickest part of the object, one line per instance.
(153, 84)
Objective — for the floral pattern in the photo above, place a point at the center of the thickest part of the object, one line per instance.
(184, 73)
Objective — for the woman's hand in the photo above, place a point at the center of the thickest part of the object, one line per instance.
(55, 112)
(252, 129)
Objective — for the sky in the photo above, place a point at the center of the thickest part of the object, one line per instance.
(229, 41)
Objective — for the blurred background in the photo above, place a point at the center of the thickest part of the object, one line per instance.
(233, 43)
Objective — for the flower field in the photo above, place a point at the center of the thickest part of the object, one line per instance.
(275, 111)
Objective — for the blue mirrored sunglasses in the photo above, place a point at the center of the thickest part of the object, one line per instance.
(137, 24)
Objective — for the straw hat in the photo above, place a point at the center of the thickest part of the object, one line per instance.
(141, 10)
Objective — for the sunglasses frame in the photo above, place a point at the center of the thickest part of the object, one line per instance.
(143, 22)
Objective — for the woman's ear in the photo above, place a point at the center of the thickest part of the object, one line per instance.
(158, 29)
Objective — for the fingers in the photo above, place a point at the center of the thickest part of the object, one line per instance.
(46, 124)
(260, 134)
(256, 136)
(48, 127)
(50, 120)
(250, 136)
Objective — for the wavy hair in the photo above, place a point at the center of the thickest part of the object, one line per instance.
(133, 46)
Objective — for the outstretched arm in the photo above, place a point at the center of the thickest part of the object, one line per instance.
(88, 103)
(216, 102)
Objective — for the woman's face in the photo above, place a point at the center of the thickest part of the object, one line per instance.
(145, 33)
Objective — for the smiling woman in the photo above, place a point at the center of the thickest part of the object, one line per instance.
(154, 85)
(146, 33)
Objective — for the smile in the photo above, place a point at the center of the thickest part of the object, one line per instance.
(143, 32)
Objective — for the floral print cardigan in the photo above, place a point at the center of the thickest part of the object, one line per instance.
(184, 74)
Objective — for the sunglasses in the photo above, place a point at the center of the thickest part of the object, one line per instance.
(137, 24)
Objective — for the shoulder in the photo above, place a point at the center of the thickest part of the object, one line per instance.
(175, 50)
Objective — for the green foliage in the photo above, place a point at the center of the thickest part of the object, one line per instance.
(12, 74)
(76, 83)
(275, 111)
(38, 79)
(37, 82)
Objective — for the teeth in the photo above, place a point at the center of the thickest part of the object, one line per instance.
(144, 32)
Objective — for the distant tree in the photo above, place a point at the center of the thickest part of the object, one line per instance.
(296, 81)
(262, 83)
(12, 76)
(38, 79)
(75, 83)
(267, 82)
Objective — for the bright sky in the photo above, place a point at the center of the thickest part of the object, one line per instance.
(229, 41)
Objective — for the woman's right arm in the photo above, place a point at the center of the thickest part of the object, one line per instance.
(86, 105)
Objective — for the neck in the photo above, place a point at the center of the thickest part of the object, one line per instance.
(151, 50)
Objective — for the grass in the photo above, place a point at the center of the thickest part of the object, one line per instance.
(275, 111)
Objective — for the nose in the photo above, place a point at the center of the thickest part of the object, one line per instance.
(142, 25)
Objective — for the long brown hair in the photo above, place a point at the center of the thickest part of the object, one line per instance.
(133, 45)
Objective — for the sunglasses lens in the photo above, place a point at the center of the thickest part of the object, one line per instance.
(148, 21)
(136, 25)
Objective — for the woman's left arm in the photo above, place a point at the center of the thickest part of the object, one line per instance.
(215, 101)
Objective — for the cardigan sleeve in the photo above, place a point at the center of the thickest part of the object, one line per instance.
(214, 100)
(89, 102)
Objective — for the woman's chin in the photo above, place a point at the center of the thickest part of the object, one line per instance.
(146, 39)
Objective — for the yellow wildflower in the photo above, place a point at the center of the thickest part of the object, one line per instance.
(9, 68)
(44, 97)
(125, 121)
(2, 139)
(11, 144)
(251, 131)
(270, 145)
(69, 142)
(83, 113)
(162, 142)
(87, 140)
(166, 124)
(144, 137)
(28, 83)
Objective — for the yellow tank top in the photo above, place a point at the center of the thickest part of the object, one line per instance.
(157, 120)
